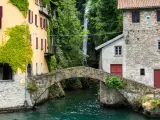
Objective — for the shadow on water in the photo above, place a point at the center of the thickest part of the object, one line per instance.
(78, 105)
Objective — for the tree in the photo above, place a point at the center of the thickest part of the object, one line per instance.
(68, 33)
(105, 22)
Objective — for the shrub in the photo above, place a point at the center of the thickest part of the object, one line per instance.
(115, 82)
(155, 102)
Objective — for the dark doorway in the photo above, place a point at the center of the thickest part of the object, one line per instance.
(29, 70)
(5, 72)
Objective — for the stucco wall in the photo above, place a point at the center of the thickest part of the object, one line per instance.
(12, 17)
(38, 56)
(142, 49)
(108, 55)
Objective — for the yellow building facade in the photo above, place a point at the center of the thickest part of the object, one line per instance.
(13, 86)
(37, 22)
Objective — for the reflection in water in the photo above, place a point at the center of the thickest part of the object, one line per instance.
(80, 105)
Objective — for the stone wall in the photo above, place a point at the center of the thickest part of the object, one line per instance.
(142, 49)
(13, 94)
(130, 96)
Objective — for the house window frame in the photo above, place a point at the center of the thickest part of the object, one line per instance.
(158, 16)
(142, 72)
(118, 53)
(6, 75)
(158, 45)
(133, 16)
(1, 15)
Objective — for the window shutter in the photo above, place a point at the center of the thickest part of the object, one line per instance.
(36, 20)
(32, 16)
(0, 23)
(41, 44)
(41, 22)
(1, 15)
(45, 45)
(1, 12)
(29, 16)
(44, 23)
(36, 42)
(30, 39)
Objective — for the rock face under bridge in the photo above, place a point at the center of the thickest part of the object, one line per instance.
(128, 96)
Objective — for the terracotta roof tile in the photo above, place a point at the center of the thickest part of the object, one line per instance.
(127, 4)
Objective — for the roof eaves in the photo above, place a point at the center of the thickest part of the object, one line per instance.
(109, 42)
(145, 7)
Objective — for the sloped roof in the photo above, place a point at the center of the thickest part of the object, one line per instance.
(128, 4)
(109, 42)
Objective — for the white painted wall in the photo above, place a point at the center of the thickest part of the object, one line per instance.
(108, 55)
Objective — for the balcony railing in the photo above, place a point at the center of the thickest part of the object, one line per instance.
(44, 11)
(50, 51)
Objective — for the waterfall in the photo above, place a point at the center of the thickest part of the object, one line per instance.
(86, 20)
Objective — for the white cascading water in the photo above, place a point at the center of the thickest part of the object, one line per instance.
(86, 20)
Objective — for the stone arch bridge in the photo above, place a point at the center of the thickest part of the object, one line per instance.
(45, 81)
(132, 91)
(73, 72)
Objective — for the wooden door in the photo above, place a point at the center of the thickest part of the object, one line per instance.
(157, 78)
(116, 69)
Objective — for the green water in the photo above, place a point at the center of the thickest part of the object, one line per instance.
(81, 105)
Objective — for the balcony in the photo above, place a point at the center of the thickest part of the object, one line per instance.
(50, 51)
(43, 11)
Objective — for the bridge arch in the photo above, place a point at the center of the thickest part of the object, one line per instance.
(45, 81)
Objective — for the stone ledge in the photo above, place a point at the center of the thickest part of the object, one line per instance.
(7, 80)
(14, 109)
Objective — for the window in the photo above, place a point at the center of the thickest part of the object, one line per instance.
(142, 71)
(41, 67)
(45, 24)
(30, 39)
(158, 44)
(158, 15)
(5, 72)
(36, 2)
(30, 16)
(41, 22)
(36, 68)
(45, 45)
(1, 16)
(36, 42)
(41, 44)
(118, 50)
(135, 17)
(36, 20)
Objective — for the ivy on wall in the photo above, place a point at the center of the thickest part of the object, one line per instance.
(21, 5)
(17, 51)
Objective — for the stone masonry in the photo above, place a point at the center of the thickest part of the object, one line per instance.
(141, 51)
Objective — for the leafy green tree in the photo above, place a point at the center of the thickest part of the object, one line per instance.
(67, 32)
(105, 23)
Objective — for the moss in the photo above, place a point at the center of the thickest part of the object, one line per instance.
(32, 86)
(17, 51)
(21, 5)
(115, 82)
